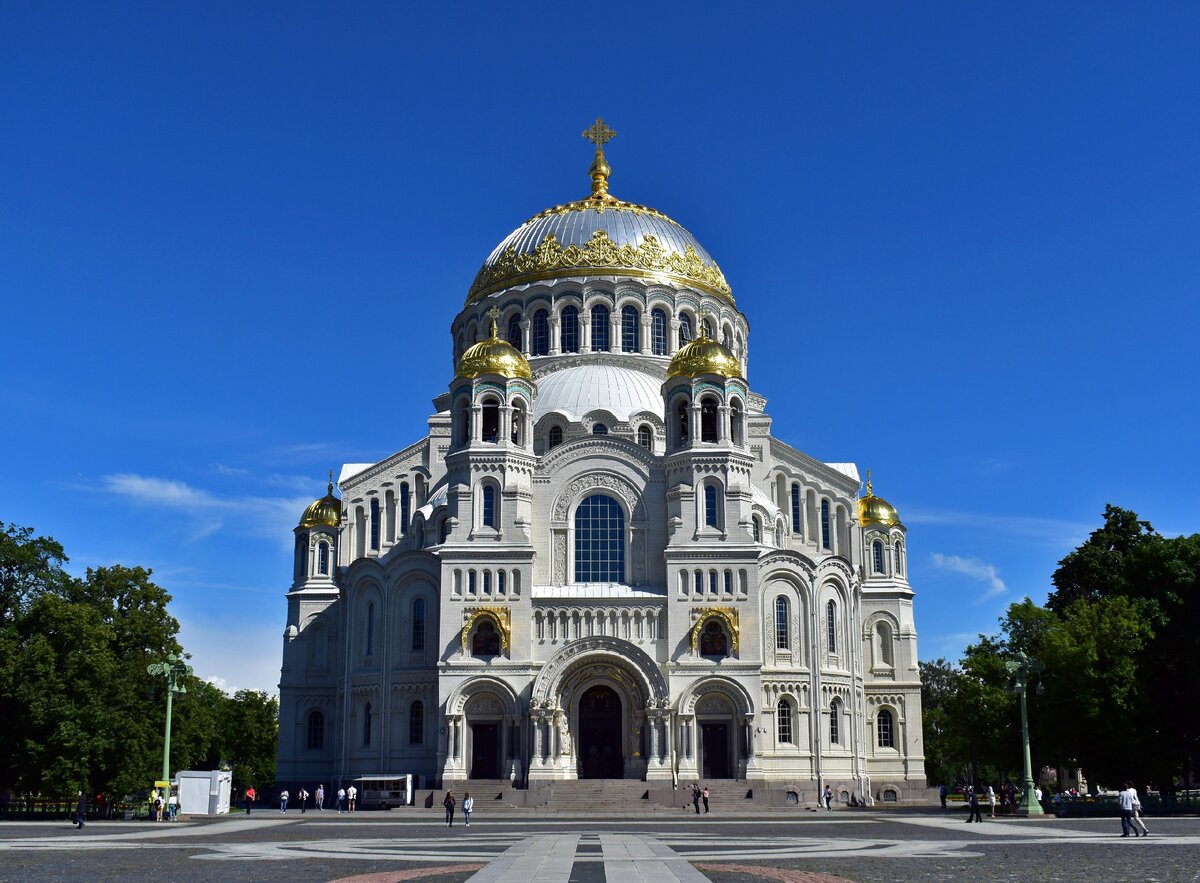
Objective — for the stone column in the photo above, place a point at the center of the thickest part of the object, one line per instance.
(693, 422)
(525, 336)
(539, 754)
(476, 424)
(555, 334)
(614, 331)
(672, 336)
(723, 434)
(647, 347)
(585, 333)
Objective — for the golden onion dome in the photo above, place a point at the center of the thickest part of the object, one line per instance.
(600, 235)
(704, 356)
(876, 510)
(325, 512)
(493, 356)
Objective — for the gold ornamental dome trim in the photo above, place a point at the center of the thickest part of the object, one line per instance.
(552, 243)
(876, 510)
(703, 355)
(493, 356)
(325, 512)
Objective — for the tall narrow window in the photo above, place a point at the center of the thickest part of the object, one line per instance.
(487, 582)
(569, 330)
(514, 330)
(709, 331)
(405, 506)
(499, 582)
(416, 723)
(681, 419)
(783, 629)
(712, 583)
(710, 506)
(884, 726)
(644, 437)
(883, 632)
(899, 558)
(757, 522)
(301, 570)
(631, 327)
(783, 711)
(555, 437)
(367, 724)
(369, 644)
(316, 731)
(489, 506)
(708, 420)
(491, 421)
(737, 423)
(658, 332)
(685, 328)
(417, 638)
(541, 333)
(877, 556)
(729, 583)
(599, 541)
(443, 530)
(835, 725)
(831, 626)
(797, 524)
(600, 329)
(323, 559)
(375, 524)
(825, 525)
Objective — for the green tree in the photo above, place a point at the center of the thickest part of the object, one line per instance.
(250, 723)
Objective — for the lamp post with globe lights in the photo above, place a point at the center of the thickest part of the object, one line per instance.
(176, 671)
(1022, 668)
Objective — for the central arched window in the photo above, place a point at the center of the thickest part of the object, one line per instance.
(783, 632)
(489, 506)
(831, 626)
(416, 723)
(835, 724)
(316, 731)
(375, 524)
(631, 326)
(600, 328)
(644, 437)
(796, 522)
(884, 729)
(556, 437)
(685, 328)
(877, 556)
(599, 541)
(323, 559)
(708, 420)
(405, 506)
(514, 330)
(825, 525)
(658, 332)
(541, 333)
(783, 712)
(710, 506)
(491, 421)
(569, 330)
(367, 724)
(417, 637)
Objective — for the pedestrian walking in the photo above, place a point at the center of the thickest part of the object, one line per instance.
(172, 806)
(80, 811)
(341, 800)
(696, 796)
(973, 806)
(250, 795)
(283, 799)
(827, 797)
(1137, 814)
(1126, 800)
(704, 796)
(351, 794)
(158, 807)
(449, 803)
(319, 798)
(942, 795)
(468, 805)
(991, 799)
(303, 795)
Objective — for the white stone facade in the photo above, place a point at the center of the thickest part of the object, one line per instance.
(755, 631)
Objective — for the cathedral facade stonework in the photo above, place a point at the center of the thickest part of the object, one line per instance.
(599, 563)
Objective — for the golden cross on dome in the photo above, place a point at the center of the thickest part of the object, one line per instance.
(868, 482)
(494, 315)
(600, 134)
(330, 491)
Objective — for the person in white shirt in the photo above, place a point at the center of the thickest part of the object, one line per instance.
(1137, 815)
(351, 793)
(468, 804)
(283, 799)
(341, 799)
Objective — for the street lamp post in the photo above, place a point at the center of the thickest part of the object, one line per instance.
(1022, 669)
(175, 670)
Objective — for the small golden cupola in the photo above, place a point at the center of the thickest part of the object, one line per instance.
(493, 356)
(876, 510)
(325, 512)
(704, 356)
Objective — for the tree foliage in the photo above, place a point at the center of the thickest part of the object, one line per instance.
(79, 709)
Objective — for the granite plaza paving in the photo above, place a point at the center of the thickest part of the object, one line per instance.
(415, 845)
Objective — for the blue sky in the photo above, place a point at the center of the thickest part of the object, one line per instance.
(233, 237)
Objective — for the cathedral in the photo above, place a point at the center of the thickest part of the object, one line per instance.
(599, 563)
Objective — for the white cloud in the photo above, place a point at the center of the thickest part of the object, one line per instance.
(977, 570)
(1053, 532)
(158, 491)
(234, 655)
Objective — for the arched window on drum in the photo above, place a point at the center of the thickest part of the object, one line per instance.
(541, 333)
(658, 332)
(600, 329)
(569, 330)
(599, 541)
(631, 330)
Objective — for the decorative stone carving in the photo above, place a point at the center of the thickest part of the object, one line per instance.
(559, 558)
(597, 481)
(601, 649)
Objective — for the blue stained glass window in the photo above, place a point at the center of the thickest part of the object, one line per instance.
(630, 330)
(825, 525)
(570, 330)
(877, 556)
(783, 637)
(834, 723)
(418, 624)
(599, 541)
(405, 505)
(370, 642)
(710, 505)
(658, 332)
(489, 506)
(599, 429)
(795, 508)
(599, 329)
(323, 559)
(831, 626)
(375, 523)
(541, 333)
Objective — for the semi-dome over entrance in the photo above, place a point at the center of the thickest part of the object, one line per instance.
(600, 234)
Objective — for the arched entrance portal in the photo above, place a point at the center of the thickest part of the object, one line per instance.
(600, 755)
